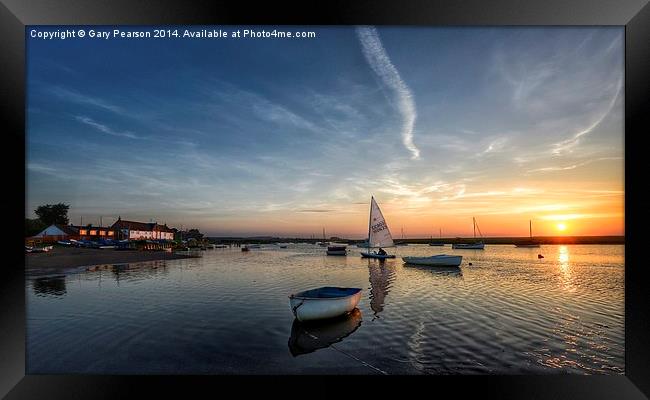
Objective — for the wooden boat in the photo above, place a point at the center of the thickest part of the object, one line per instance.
(244, 248)
(438, 260)
(529, 243)
(375, 255)
(337, 250)
(324, 302)
(476, 245)
(378, 233)
(307, 337)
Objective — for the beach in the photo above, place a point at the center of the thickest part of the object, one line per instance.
(71, 257)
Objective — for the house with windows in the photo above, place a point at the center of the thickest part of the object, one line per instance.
(134, 230)
(94, 233)
(57, 232)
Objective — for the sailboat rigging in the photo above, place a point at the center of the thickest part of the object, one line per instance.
(530, 242)
(477, 244)
(440, 243)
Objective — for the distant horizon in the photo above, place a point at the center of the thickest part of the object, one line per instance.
(278, 137)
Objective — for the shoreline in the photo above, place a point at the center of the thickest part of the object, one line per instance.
(60, 258)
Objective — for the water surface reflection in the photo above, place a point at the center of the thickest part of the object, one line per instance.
(381, 274)
(307, 337)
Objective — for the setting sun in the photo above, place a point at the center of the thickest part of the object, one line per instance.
(561, 227)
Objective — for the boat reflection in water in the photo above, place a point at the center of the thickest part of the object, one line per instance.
(381, 275)
(307, 337)
(447, 271)
(50, 286)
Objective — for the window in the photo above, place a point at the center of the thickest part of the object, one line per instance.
(83, 232)
(102, 233)
(93, 233)
(110, 233)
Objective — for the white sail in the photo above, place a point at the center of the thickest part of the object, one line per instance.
(379, 235)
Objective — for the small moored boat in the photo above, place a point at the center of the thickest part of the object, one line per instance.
(439, 260)
(324, 302)
(530, 243)
(337, 250)
(376, 255)
(476, 245)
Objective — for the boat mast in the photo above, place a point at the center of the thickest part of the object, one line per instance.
(530, 228)
(474, 221)
(370, 221)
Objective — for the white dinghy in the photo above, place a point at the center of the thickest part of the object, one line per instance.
(378, 233)
(324, 302)
(439, 260)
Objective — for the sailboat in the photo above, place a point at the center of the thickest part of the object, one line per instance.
(439, 243)
(324, 242)
(378, 233)
(402, 243)
(478, 245)
(530, 242)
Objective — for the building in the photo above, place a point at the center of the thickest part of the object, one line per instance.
(133, 230)
(56, 232)
(90, 232)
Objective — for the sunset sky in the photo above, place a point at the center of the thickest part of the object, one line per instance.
(290, 136)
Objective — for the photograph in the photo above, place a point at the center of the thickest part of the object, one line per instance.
(325, 199)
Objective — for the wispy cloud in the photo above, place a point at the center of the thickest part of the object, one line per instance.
(572, 166)
(573, 141)
(77, 97)
(106, 129)
(379, 61)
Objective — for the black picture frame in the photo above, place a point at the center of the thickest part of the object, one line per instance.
(633, 14)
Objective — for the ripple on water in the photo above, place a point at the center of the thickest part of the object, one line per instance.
(228, 312)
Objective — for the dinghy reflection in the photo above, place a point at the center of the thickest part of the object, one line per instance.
(307, 337)
(442, 271)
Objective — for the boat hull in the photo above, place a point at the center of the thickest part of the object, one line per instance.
(436, 244)
(441, 260)
(309, 308)
(337, 252)
(527, 245)
(378, 256)
(474, 246)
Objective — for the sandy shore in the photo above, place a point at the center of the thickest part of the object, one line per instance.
(66, 257)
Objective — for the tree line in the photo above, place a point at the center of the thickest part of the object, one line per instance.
(47, 215)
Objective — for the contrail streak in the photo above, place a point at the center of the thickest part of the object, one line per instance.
(379, 61)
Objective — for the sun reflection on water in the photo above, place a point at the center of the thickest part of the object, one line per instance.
(565, 269)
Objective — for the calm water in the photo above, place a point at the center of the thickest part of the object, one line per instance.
(228, 312)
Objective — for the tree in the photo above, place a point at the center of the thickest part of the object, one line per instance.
(53, 214)
(33, 226)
